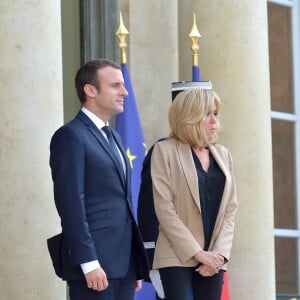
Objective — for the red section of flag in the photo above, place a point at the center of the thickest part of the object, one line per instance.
(225, 290)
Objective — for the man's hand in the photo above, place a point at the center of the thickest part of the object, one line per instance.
(96, 279)
(138, 286)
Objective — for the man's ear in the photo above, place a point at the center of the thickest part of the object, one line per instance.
(90, 90)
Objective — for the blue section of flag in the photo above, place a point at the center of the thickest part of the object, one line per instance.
(129, 127)
(146, 293)
(196, 76)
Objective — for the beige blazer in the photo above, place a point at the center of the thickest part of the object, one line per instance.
(177, 205)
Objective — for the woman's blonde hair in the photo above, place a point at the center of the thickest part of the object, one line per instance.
(186, 114)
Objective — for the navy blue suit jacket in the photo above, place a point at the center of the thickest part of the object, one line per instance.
(93, 199)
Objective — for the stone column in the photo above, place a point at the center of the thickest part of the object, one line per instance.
(152, 60)
(234, 56)
(31, 109)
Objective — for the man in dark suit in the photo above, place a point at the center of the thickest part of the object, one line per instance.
(147, 220)
(102, 254)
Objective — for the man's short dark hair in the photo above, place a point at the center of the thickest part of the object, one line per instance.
(88, 74)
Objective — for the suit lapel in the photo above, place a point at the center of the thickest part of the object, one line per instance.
(127, 166)
(102, 141)
(189, 170)
(127, 178)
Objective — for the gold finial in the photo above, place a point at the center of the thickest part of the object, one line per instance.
(194, 36)
(121, 34)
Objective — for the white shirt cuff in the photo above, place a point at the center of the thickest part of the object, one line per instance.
(89, 266)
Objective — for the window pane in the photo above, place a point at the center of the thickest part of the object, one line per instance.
(279, 18)
(284, 174)
(286, 265)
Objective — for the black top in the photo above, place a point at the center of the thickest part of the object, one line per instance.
(211, 186)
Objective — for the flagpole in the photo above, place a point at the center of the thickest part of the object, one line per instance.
(121, 34)
(195, 36)
(129, 127)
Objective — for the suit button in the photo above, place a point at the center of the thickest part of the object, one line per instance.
(129, 220)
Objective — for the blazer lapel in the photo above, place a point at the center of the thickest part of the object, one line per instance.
(189, 170)
(221, 163)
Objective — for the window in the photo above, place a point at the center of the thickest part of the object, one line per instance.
(284, 36)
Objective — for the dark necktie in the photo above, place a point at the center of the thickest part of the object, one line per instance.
(113, 147)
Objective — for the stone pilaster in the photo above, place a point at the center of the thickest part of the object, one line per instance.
(234, 56)
(31, 109)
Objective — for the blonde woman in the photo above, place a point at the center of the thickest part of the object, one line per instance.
(195, 199)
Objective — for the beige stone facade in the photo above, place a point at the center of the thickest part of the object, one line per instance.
(31, 108)
(233, 55)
